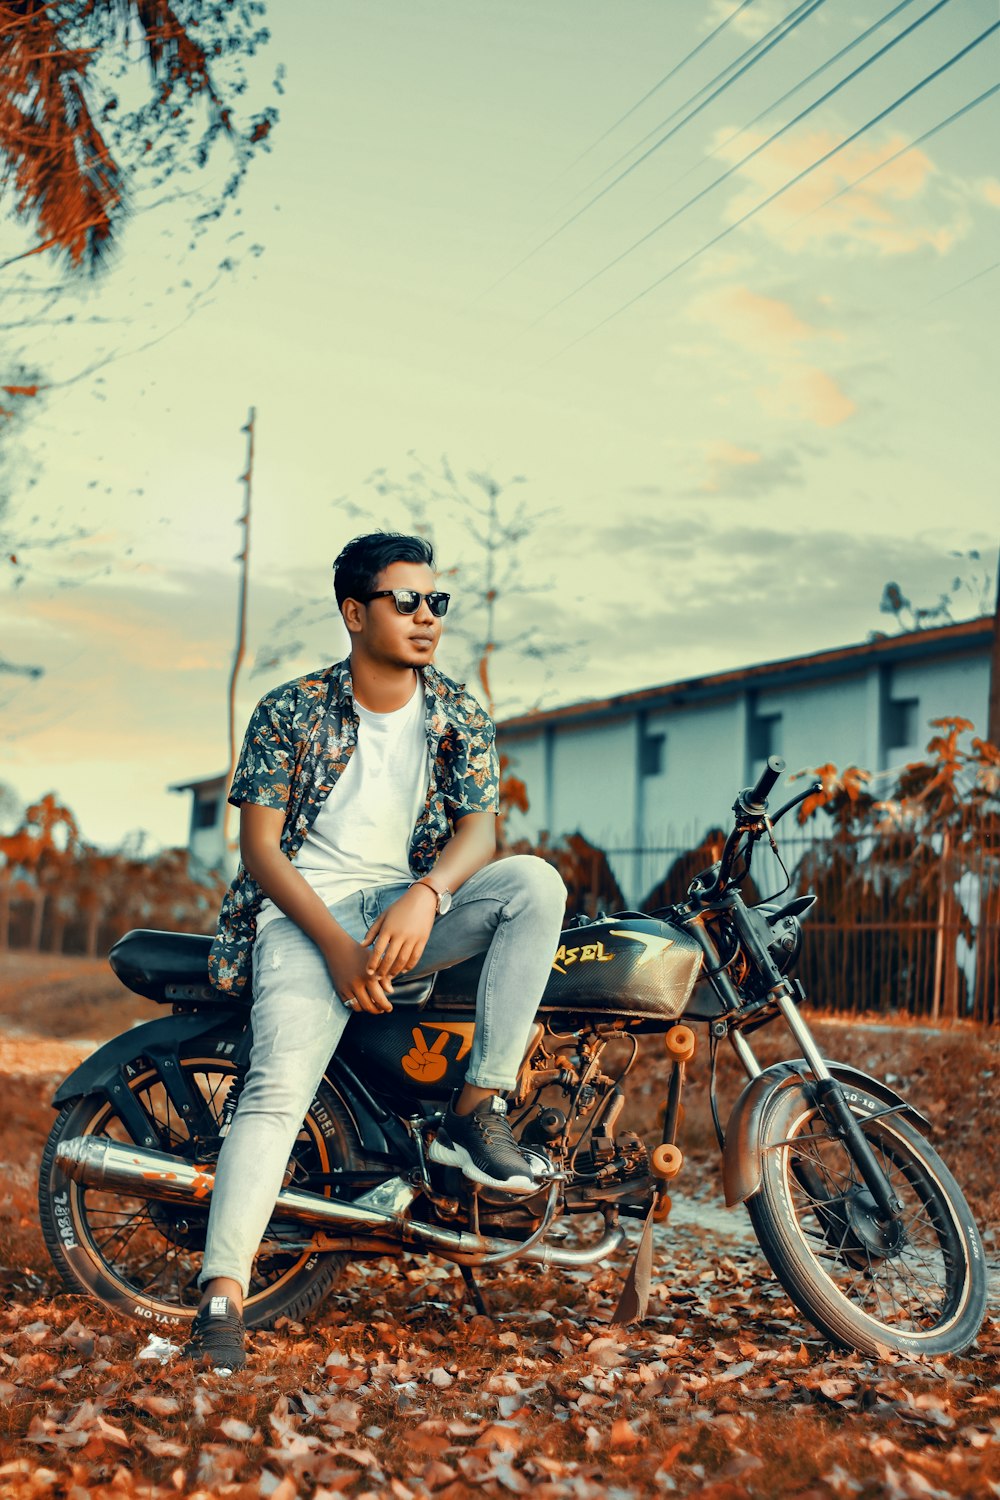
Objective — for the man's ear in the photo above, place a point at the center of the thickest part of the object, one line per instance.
(353, 615)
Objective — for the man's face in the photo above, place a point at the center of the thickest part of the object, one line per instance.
(393, 639)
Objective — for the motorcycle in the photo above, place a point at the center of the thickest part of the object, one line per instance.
(858, 1217)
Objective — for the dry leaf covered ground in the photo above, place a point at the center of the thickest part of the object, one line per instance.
(396, 1388)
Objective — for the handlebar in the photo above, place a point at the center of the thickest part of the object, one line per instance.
(815, 786)
(753, 800)
(750, 808)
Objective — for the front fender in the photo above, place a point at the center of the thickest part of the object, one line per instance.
(741, 1172)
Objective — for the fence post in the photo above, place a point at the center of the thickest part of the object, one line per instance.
(940, 929)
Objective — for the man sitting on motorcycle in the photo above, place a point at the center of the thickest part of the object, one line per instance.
(368, 794)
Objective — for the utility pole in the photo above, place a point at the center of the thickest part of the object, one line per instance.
(243, 558)
(993, 718)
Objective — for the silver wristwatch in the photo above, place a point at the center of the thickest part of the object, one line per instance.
(442, 899)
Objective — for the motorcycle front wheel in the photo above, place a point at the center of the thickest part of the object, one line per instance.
(142, 1257)
(915, 1285)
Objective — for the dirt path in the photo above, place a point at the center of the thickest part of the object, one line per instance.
(25, 1056)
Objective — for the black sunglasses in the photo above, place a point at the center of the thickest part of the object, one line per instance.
(408, 601)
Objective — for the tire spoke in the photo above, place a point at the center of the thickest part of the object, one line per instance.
(905, 1279)
(151, 1250)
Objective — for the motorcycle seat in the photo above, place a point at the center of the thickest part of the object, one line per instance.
(172, 968)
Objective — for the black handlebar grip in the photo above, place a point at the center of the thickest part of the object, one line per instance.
(768, 778)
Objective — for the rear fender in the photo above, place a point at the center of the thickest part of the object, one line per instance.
(104, 1072)
(741, 1164)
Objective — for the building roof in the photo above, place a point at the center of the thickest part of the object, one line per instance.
(203, 783)
(966, 637)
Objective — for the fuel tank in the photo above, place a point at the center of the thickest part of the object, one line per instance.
(632, 966)
(628, 966)
(618, 966)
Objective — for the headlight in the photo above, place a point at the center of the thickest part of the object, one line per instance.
(786, 941)
(784, 928)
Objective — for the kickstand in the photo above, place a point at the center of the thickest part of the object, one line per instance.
(472, 1285)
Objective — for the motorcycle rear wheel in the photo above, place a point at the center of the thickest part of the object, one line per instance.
(920, 1289)
(141, 1257)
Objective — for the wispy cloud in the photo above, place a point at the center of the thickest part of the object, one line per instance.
(751, 23)
(774, 343)
(903, 208)
(744, 473)
(738, 594)
(808, 395)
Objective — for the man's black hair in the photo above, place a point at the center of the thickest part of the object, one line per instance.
(356, 570)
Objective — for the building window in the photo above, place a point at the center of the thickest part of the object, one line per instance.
(206, 812)
(651, 754)
(901, 722)
(765, 736)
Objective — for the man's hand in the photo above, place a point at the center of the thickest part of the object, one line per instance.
(349, 964)
(398, 937)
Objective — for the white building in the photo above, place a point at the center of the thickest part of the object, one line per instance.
(661, 766)
(206, 839)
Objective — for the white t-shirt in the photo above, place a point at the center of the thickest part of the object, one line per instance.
(362, 833)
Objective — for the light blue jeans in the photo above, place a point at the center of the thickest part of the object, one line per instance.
(512, 908)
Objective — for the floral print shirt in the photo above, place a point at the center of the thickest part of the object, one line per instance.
(299, 742)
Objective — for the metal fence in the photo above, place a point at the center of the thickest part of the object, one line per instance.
(903, 922)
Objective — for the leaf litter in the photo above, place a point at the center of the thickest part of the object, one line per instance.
(397, 1388)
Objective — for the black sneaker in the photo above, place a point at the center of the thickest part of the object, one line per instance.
(218, 1337)
(482, 1146)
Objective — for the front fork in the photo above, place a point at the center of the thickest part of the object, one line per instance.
(837, 1113)
(827, 1092)
(831, 1102)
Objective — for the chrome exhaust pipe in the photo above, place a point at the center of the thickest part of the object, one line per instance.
(100, 1163)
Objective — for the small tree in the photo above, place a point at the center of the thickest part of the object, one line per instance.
(971, 593)
(76, 152)
(479, 532)
(35, 858)
(909, 852)
(106, 107)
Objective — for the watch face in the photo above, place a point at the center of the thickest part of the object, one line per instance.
(444, 902)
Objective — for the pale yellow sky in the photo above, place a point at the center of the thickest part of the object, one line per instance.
(726, 472)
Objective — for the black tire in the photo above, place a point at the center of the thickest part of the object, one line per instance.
(142, 1258)
(924, 1294)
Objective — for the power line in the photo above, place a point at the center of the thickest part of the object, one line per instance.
(887, 161)
(723, 177)
(656, 87)
(802, 83)
(968, 280)
(727, 76)
(802, 12)
(798, 177)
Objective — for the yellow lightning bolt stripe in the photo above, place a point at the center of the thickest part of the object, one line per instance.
(652, 944)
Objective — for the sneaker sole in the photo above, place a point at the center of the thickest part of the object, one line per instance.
(220, 1366)
(457, 1156)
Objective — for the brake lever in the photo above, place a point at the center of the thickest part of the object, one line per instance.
(816, 786)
